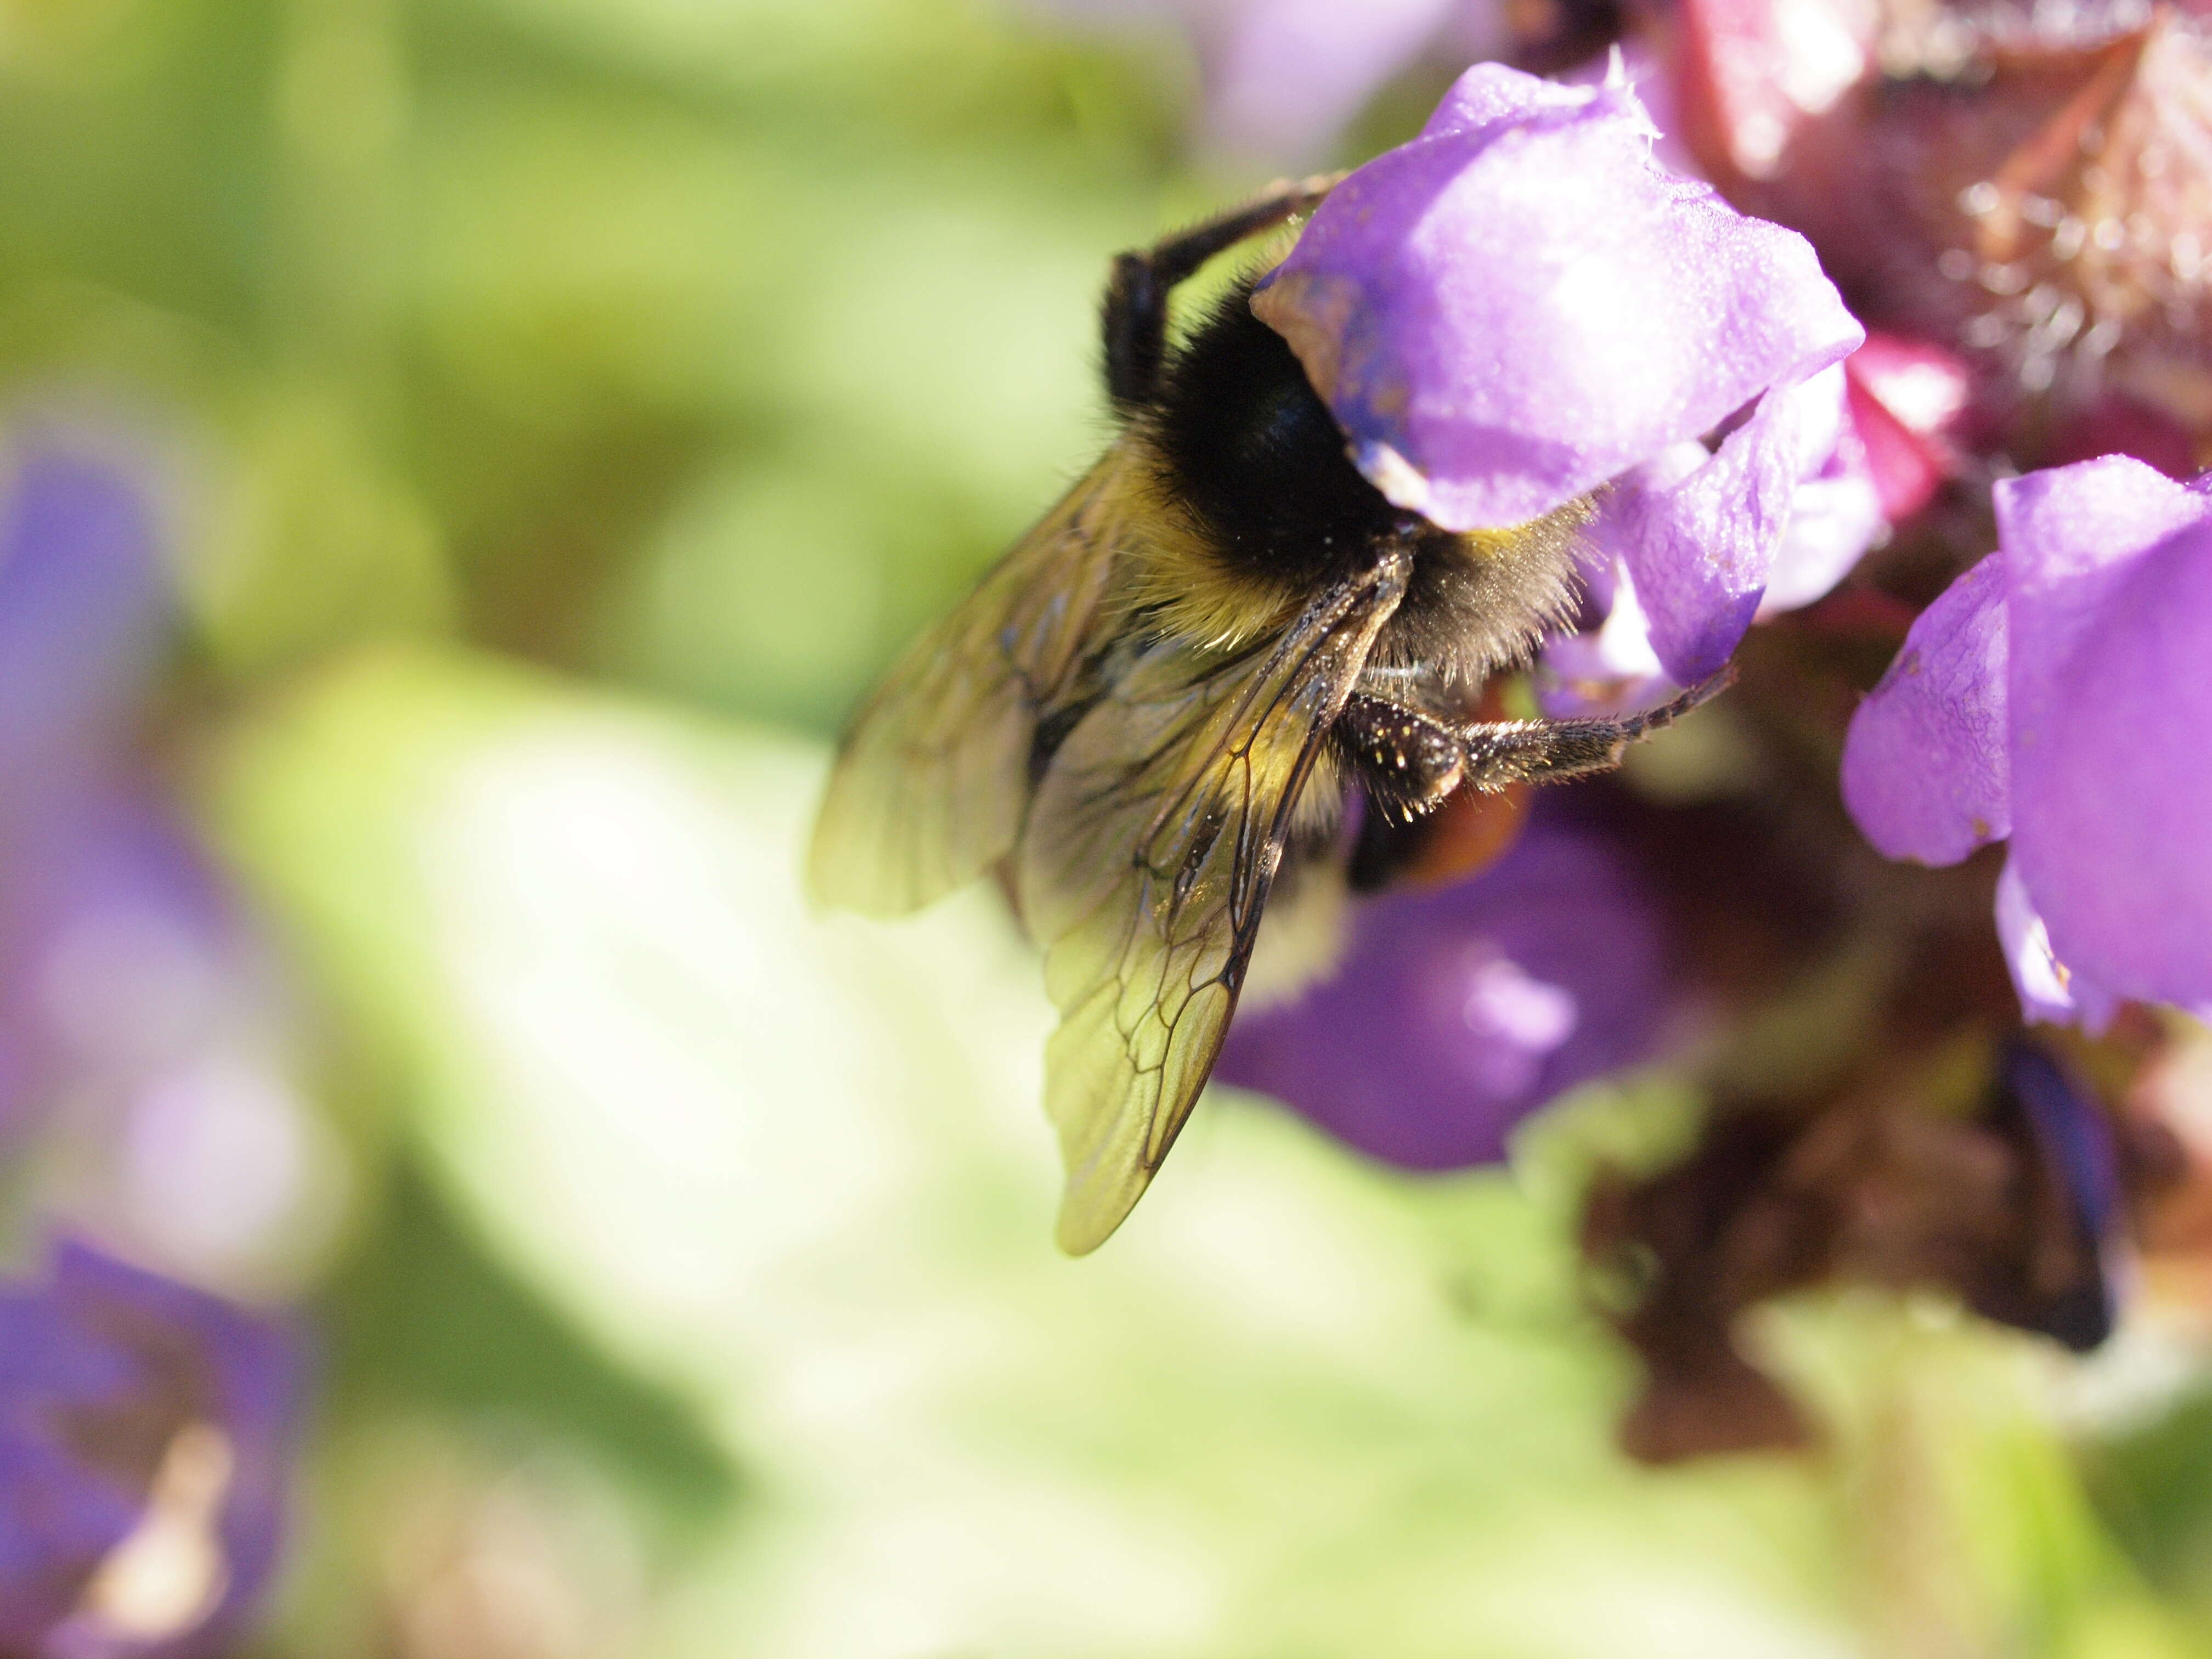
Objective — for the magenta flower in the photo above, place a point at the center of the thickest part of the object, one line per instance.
(1907, 398)
(145, 1432)
(1457, 1011)
(2056, 693)
(1522, 305)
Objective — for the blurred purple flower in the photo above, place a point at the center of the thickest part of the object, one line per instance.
(2056, 693)
(145, 1432)
(1456, 1011)
(84, 610)
(138, 1023)
(84, 613)
(1284, 77)
(1522, 306)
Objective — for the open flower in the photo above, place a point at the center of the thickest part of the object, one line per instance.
(145, 1438)
(1522, 306)
(2057, 695)
(1458, 1011)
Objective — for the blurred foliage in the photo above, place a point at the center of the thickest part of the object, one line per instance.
(423, 1319)
(566, 406)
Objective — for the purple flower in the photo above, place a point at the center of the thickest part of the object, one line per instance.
(84, 609)
(1284, 77)
(145, 1435)
(1834, 514)
(1455, 1012)
(2056, 693)
(139, 1026)
(1522, 305)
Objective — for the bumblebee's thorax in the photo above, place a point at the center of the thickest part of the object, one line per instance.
(1258, 507)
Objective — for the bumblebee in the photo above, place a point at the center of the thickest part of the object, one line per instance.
(1164, 692)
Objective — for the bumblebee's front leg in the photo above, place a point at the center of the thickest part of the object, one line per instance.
(1136, 317)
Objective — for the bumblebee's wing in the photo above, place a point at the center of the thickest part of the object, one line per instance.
(1143, 868)
(929, 787)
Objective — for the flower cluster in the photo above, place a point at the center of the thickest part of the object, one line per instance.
(1814, 311)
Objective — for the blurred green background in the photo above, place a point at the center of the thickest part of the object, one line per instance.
(564, 408)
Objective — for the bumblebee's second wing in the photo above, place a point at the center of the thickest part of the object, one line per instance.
(1143, 868)
(929, 787)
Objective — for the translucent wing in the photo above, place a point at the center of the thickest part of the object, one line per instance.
(1147, 856)
(929, 787)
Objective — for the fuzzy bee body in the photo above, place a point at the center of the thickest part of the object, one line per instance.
(1169, 682)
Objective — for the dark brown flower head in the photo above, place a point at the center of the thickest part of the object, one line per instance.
(2036, 194)
(2013, 1208)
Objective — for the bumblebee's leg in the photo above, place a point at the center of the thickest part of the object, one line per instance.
(1409, 759)
(1136, 319)
(1539, 751)
(1406, 759)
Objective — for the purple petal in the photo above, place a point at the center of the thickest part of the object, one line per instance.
(1772, 520)
(2109, 565)
(1610, 670)
(2050, 993)
(1701, 545)
(1927, 765)
(1836, 514)
(1521, 304)
(1455, 1012)
(1633, 62)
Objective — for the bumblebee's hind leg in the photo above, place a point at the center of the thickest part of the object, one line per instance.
(1542, 752)
(1136, 312)
(1409, 759)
